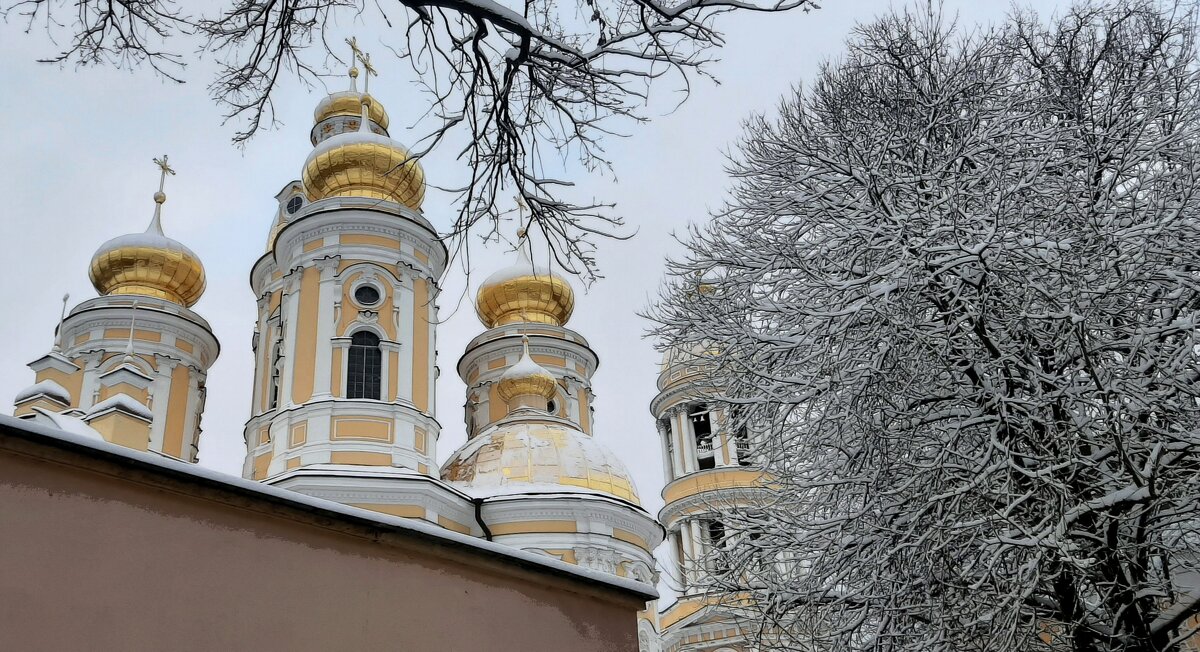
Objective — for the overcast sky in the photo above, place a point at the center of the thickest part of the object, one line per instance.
(76, 161)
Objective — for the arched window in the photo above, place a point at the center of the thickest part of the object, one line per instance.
(364, 367)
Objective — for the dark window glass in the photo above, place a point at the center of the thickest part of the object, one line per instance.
(716, 539)
(702, 430)
(294, 205)
(366, 295)
(364, 366)
(716, 533)
(741, 436)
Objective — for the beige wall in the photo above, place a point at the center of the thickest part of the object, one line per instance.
(101, 552)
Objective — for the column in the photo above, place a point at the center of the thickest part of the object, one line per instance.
(687, 440)
(720, 437)
(664, 434)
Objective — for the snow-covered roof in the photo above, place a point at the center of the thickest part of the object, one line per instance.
(395, 523)
(124, 402)
(47, 388)
(66, 422)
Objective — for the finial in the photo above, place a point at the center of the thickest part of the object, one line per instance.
(365, 118)
(132, 324)
(353, 43)
(61, 318)
(160, 196)
(522, 232)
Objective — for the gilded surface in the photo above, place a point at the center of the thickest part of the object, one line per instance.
(540, 299)
(539, 384)
(541, 454)
(167, 272)
(350, 103)
(366, 169)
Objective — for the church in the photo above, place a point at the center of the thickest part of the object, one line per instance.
(343, 434)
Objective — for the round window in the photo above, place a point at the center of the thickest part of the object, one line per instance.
(367, 295)
(294, 205)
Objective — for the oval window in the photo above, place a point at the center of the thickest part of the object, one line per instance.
(367, 295)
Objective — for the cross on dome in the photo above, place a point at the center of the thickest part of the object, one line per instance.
(361, 57)
(149, 263)
(160, 197)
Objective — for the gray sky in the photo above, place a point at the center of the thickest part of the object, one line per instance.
(77, 171)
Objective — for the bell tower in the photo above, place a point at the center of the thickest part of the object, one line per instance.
(347, 322)
(130, 366)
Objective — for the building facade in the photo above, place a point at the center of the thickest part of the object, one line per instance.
(345, 364)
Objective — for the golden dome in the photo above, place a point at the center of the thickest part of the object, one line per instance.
(524, 292)
(148, 264)
(526, 378)
(526, 456)
(349, 103)
(364, 164)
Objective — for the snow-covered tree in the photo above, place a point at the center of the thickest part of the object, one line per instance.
(955, 293)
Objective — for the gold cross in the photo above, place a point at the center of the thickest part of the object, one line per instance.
(353, 43)
(365, 60)
(166, 169)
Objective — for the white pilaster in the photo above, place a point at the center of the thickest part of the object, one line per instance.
(325, 327)
(160, 390)
(192, 413)
(387, 348)
(91, 380)
(403, 299)
(290, 311)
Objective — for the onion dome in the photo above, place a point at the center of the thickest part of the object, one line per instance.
(526, 379)
(364, 164)
(537, 457)
(149, 264)
(349, 103)
(524, 292)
